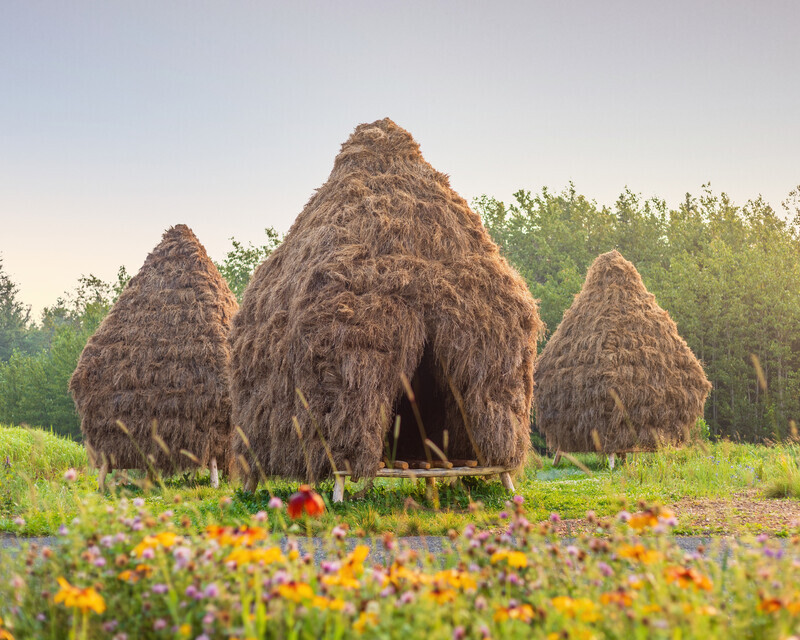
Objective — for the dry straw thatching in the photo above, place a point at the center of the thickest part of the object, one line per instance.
(386, 272)
(616, 376)
(160, 355)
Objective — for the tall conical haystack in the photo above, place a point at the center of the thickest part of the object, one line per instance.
(386, 272)
(616, 367)
(160, 355)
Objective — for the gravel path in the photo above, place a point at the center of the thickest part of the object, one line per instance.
(422, 544)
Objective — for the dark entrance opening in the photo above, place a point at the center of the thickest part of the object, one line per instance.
(434, 401)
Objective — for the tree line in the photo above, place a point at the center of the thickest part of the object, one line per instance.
(728, 274)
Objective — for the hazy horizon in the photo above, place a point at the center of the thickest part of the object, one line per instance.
(119, 120)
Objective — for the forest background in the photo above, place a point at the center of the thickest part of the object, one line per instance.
(728, 274)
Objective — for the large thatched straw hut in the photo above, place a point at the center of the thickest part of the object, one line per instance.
(616, 376)
(160, 360)
(385, 273)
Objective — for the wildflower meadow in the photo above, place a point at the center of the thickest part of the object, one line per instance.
(122, 572)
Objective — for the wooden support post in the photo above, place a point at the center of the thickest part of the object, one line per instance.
(214, 473)
(611, 460)
(505, 478)
(252, 482)
(557, 458)
(430, 483)
(101, 476)
(338, 489)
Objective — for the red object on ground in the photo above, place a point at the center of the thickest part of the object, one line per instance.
(305, 501)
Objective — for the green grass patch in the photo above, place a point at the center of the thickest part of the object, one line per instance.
(33, 488)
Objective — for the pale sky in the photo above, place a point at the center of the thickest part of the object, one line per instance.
(119, 119)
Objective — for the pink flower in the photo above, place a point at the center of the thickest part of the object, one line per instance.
(554, 517)
(459, 633)
(159, 588)
(211, 591)
(261, 516)
(70, 475)
(160, 624)
(19, 521)
(139, 502)
(275, 503)
(518, 499)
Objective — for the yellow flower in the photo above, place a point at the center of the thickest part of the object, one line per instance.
(366, 618)
(638, 552)
(523, 613)
(702, 610)
(296, 591)
(515, 559)
(456, 579)
(5, 634)
(83, 599)
(331, 604)
(400, 573)
(185, 629)
(651, 608)
(580, 608)
(165, 539)
(442, 596)
(352, 567)
(264, 557)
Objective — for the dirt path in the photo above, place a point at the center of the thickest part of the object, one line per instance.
(741, 514)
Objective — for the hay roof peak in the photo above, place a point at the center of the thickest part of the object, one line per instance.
(378, 146)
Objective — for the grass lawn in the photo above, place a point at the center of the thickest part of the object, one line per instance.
(715, 488)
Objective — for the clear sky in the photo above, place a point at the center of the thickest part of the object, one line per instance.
(119, 119)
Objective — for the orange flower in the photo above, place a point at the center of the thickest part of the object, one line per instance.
(687, 576)
(770, 605)
(649, 518)
(639, 553)
(305, 501)
(236, 536)
(621, 598)
(77, 598)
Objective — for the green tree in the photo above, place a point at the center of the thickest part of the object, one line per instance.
(14, 318)
(241, 261)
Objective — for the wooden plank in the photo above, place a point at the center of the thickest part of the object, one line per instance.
(436, 473)
(419, 464)
(464, 463)
(442, 464)
(397, 464)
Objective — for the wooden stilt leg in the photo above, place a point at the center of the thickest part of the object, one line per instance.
(214, 473)
(338, 489)
(505, 478)
(430, 483)
(612, 457)
(101, 476)
(252, 483)
(557, 459)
